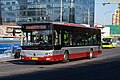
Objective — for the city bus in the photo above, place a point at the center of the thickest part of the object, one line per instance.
(54, 41)
(109, 42)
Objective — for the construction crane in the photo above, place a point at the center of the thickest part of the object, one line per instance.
(105, 3)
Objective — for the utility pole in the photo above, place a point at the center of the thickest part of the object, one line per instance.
(104, 16)
(88, 12)
(72, 12)
(61, 11)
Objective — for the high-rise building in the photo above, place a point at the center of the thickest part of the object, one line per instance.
(9, 10)
(74, 11)
(115, 18)
(0, 14)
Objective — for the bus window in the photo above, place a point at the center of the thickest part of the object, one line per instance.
(37, 37)
(57, 37)
(66, 38)
(25, 39)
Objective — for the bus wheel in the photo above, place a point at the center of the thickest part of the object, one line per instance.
(91, 54)
(66, 57)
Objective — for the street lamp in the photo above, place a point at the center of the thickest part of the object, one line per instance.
(71, 15)
(89, 14)
(105, 14)
(61, 11)
(72, 12)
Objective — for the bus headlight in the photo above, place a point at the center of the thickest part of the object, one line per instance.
(48, 54)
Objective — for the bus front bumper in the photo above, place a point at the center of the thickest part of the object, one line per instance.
(47, 58)
(107, 46)
(36, 58)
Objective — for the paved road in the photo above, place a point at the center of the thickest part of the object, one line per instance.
(105, 67)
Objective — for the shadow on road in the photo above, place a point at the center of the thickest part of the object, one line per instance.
(105, 70)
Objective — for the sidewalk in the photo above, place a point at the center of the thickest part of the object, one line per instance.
(6, 59)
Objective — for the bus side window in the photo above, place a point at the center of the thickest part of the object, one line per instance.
(94, 40)
(55, 37)
(66, 38)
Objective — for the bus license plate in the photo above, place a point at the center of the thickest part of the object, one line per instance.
(34, 58)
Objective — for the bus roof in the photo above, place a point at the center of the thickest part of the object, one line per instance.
(68, 24)
(58, 23)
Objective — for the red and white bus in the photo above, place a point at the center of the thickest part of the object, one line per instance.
(59, 42)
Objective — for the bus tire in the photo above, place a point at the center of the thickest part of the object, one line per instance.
(66, 57)
(91, 54)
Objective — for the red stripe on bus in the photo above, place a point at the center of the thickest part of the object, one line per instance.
(61, 57)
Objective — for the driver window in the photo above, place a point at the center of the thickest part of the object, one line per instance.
(43, 37)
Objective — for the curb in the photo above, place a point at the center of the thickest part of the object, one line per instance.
(8, 59)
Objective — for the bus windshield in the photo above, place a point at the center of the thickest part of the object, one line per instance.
(37, 37)
(107, 40)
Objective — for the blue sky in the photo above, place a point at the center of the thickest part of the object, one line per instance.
(102, 12)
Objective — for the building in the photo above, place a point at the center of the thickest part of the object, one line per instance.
(10, 31)
(0, 14)
(9, 10)
(74, 11)
(115, 18)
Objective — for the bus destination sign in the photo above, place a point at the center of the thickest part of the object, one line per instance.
(36, 27)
